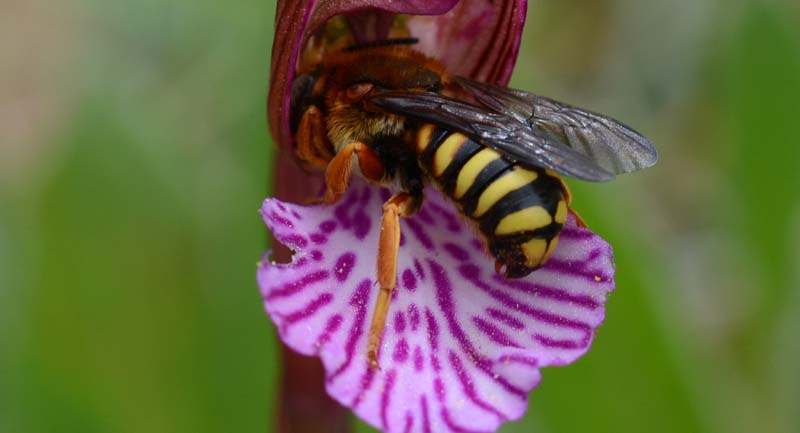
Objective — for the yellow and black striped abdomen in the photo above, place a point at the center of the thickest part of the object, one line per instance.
(519, 210)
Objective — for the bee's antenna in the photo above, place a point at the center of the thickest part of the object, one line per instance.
(381, 43)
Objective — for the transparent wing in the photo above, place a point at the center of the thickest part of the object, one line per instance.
(513, 138)
(612, 145)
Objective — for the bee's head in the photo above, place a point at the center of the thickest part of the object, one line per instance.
(342, 84)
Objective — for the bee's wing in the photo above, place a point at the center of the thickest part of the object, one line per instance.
(514, 139)
(612, 145)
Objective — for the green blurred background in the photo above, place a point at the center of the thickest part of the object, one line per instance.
(134, 153)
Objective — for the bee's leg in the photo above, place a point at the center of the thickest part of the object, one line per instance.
(312, 140)
(401, 204)
(337, 175)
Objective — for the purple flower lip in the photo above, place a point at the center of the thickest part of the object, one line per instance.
(463, 346)
(478, 39)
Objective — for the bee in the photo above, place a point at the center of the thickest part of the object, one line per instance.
(399, 119)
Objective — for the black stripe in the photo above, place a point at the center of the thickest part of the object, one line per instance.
(381, 43)
(449, 178)
(438, 135)
(545, 191)
(495, 169)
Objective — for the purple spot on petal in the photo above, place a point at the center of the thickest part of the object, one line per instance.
(561, 344)
(478, 245)
(296, 215)
(361, 224)
(548, 292)
(399, 322)
(438, 389)
(457, 252)
(364, 384)
(413, 316)
(401, 351)
(281, 207)
(468, 386)
(341, 211)
(317, 255)
(386, 395)
(425, 216)
(297, 286)
(359, 301)
(344, 264)
(452, 221)
(433, 339)
(419, 269)
(318, 238)
(579, 268)
(295, 240)
(274, 217)
(506, 318)
(576, 234)
(426, 422)
(521, 359)
(327, 226)
(409, 281)
(494, 333)
(366, 193)
(333, 324)
(420, 234)
(419, 361)
(470, 272)
(307, 311)
(455, 427)
(409, 422)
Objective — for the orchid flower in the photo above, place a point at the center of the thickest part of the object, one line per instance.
(463, 346)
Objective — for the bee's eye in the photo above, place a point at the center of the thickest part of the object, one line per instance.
(358, 91)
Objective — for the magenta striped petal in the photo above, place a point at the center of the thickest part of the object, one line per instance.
(462, 346)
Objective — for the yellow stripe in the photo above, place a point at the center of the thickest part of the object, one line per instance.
(550, 249)
(534, 251)
(561, 212)
(511, 181)
(530, 218)
(446, 152)
(424, 137)
(473, 167)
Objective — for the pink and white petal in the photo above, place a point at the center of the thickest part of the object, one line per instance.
(463, 346)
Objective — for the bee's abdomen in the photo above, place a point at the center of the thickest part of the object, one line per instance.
(519, 210)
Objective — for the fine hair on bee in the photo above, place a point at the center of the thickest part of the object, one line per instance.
(497, 153)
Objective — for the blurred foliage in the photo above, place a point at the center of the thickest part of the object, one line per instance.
(135, 153)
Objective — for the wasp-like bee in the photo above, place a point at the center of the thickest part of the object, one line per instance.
(497, 153)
